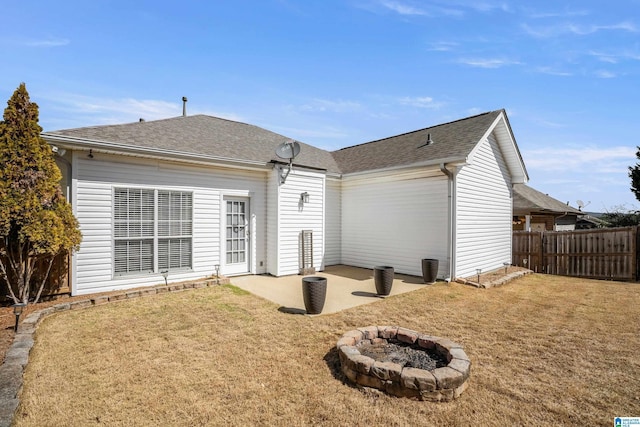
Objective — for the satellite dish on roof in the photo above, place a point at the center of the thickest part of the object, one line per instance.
(581, 204)
(287, 150)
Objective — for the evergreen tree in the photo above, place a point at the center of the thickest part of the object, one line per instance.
(36, 221)
(634, 174)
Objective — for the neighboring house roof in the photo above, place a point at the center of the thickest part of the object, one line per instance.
(453, 141)
(198, 135)
(527, 200)
(210, 139)
(592, 220)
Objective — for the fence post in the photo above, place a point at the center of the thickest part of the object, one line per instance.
(636, 265)
(541, 255)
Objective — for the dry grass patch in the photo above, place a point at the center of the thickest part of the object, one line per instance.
(545, 350)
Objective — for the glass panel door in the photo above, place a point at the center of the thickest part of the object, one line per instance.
(236, 254)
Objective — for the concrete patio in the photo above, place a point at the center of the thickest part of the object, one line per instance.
(346, 287)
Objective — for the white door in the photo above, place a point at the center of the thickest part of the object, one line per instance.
(236, 254)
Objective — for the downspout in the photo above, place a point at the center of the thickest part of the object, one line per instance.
(555, 226)
(451, 224)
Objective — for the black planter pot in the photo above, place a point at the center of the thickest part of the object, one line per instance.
(314, 292)
(383, 278)
(429, 270)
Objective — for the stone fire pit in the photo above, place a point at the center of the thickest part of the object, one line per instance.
(396, 354)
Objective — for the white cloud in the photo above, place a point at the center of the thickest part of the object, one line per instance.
(615, 57)
(419, 101)
(326, 105)
(118, 110)
(48, 42)
(563, 14)
(562, 181)
(473, 111)
(489, 6)
(580, 159)
(402, 8)
(576, 29)
(488, 62)
(407, 9)
(546, 123)
(622, 26)
(220, 114)
(604, 74)
(443, 46)
(68, 110)
(604, 57)
(486, 6)
(327, 132)
(553, 72)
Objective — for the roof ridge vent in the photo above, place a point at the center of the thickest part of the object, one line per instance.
(429, 141)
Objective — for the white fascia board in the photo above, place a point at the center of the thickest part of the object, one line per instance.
(517, 168)
(454, 161)
(153, 153)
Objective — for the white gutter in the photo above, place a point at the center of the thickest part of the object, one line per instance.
(451, 223)
(449, 160)
(157, 153)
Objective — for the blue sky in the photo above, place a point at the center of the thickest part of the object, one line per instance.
(337, 73)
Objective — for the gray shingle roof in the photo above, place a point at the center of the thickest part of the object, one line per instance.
(450, 140)
(215, 137)
(528, 200)
(203, 135)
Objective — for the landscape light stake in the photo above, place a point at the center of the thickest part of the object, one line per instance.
(17, 310)
(165, 274)
(217, 274)
(506, 266)
(478, 271)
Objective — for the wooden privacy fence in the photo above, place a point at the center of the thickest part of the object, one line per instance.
(610, 253)
(59, 281)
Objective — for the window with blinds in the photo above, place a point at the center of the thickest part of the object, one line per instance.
(174, 229)
(152, 230)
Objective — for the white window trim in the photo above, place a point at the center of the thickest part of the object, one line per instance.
(156, 238)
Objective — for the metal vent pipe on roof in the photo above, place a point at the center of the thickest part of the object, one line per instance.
(429, 141)
(184, 106)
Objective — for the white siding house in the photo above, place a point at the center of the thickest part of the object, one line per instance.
(333, 222)
(186, 196)
(483, 211)
(293, 216)
(394, 219)
(94, 186)
(442, 192)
